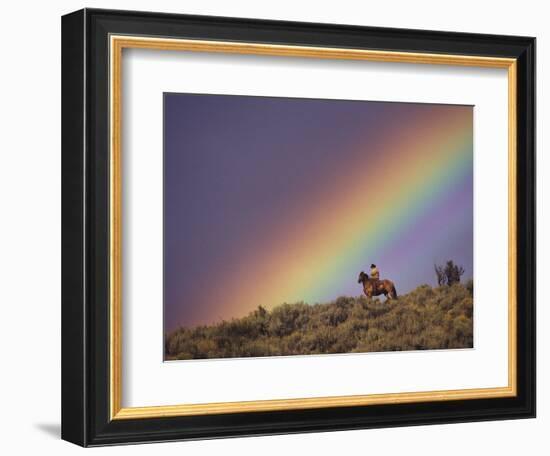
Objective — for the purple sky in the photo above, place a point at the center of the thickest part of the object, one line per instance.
(233, 165)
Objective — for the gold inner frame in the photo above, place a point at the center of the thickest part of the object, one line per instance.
(116, 46)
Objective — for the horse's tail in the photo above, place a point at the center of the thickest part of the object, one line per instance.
(394, 291)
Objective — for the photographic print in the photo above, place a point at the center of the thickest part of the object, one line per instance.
(302, 196)
(315, 226)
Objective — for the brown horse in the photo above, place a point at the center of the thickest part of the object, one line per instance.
(374, 287)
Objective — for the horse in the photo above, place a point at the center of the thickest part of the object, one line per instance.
(374, 287)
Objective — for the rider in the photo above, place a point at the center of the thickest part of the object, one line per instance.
(374, 272)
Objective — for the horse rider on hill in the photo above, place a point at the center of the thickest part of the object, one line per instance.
(374, 272)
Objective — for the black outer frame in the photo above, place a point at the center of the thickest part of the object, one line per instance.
(85, 227)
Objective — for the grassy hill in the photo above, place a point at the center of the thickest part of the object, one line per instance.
(426, 318)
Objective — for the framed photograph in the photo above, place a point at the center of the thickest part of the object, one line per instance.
(277, 227)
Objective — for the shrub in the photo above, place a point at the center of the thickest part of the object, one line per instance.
(448, 274)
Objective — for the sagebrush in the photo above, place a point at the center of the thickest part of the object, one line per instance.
(426, 318)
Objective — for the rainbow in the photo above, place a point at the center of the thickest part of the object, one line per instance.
(386, 205)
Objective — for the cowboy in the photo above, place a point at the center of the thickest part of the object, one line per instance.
(374, 272)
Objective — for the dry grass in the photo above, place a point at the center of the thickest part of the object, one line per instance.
(426, 318)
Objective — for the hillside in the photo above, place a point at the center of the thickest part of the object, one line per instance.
(426, 318)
